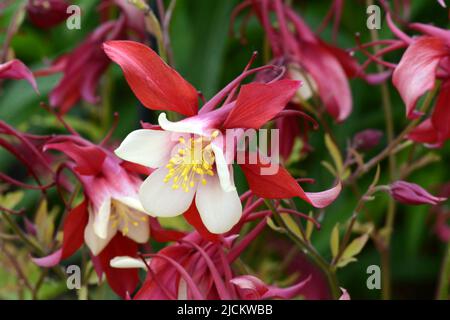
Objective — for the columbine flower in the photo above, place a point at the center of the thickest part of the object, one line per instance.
(15, 69)
(84, 66)
(426, 59)
(192, 169)
(47, 13)
(110, 220)
(195, 269)
(411, 193)
(324, 69)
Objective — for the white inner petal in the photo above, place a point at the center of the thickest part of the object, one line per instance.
(218, 209)
(150, 148)
(160, 199)
(222, 169)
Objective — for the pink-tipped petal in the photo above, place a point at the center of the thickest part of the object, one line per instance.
(15, 69)
(416, 71)
(324, 198)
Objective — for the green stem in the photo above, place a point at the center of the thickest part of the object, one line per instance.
(391, 146)
(311, 253)
(21, 234)
(33, 246)
(444, 278)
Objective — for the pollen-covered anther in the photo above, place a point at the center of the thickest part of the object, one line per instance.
(193, 160)
(124, 216)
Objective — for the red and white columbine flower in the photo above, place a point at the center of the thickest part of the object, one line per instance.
(110, 220)
(198, 269)
(180, 179)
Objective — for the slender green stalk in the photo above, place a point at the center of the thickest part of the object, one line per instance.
(310, 253)
(33, 246)
(444, 277)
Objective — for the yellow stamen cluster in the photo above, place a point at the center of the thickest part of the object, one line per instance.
(124, 216)
(191, 163)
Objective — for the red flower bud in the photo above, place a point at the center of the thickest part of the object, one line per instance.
(367, 139)
(411, 193)
(47, 13)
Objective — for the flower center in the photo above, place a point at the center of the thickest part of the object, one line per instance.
(191, 163)
(125, 217)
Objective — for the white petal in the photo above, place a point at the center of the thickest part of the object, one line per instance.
(219, 210)
(147, 147)
(158, 197)
(184, 126)
(139, 233)
(125, 262)
(222, 169)
(101, 219)
(94, 242)
(133, 202)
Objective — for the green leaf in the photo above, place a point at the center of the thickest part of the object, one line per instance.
(291, 224)
(334, 240)
(343, 262)
(335, 154)
(274, 227)
(355, 247)
(309, 226)
(11, 199)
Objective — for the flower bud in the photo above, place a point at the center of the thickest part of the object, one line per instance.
(367, 139)
(47, 13)
(411, 193)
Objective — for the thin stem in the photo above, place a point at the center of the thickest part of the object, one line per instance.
(310, 252)
(21, 234)
(394, 143)
(28, 242)
(444, 277)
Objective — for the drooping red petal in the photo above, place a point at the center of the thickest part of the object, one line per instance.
(122, 281)
(416, 72)
(258, 103)
(74, 225)
(15, 69)
(441, 113)
(73, 236)
(89, 160)
(347, 61)
(425, 133)
(331, 79)
(155, 84)
(431, 31)
(249, 287)
(277, 183)
(136, 168)
(193, 218)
